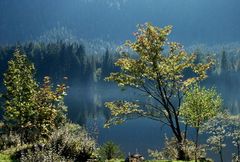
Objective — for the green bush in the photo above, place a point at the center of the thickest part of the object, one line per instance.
(72, 141)
(5, 158)
(170, 151)
(9, 140)
(109, 151)
(68, 143)
(40, 155)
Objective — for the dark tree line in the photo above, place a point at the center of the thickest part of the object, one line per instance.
(61, 59)
(225, 60)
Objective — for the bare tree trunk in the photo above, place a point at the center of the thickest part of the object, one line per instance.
(196, 143)
(221, 156)
(181, 153)
(21, 138)
(238, 150)
(185, 131)
(180, 139)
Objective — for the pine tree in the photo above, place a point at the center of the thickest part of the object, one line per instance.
(224, 62)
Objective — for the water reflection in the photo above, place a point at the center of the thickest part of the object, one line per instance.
(86, 107)
(84, 104)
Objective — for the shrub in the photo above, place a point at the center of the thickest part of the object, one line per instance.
(9, 140)
(41, 155)
(170, 151)
(5, 158)
(72, 141)
(68, 143)
(109, 151)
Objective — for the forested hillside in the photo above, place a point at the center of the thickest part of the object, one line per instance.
(68, 59)
(61, 59)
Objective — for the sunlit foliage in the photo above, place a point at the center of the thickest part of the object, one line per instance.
(158, 71)
(199, 105)
(216, 128)
(20, 89)
(49, 109)
(30, 110)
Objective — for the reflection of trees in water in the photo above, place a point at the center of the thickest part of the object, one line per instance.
(227, 85)
(234, 106)
(84, 104)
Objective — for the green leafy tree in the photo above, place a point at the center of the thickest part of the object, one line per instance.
(49, 109)
(158, 74)
(221, 127)
(30, 110)
(199, 105)
(216, 128)
(20, 88)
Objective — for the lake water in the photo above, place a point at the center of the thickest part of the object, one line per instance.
(86, 107)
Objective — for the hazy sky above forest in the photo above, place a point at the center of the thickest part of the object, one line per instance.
(194, 21)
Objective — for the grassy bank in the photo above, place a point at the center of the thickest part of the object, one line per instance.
(6, 158)
(122, 160)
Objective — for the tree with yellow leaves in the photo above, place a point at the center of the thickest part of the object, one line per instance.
(159, 71)
(30, 110)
